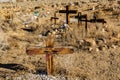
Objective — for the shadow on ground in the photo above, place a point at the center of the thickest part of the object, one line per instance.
(19, 67)
(12, 66)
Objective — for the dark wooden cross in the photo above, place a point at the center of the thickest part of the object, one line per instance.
(68, 11)
(55, 18)
(49, 50)
(96, 19)
(82, 18)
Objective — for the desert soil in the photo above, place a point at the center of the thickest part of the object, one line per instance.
(96, 54)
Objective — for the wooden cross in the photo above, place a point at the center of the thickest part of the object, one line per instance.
(67, 11)
(49, 50)
(55, 18)
(95, 19)
(81, 18)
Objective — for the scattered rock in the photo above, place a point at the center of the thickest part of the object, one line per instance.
(100, 40)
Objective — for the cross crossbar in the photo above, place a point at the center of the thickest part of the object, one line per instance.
(97, 20)
(94, 20)
(70, 11)
(35, 51)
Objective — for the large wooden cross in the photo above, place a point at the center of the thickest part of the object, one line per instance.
(49, 50)
(68, 11)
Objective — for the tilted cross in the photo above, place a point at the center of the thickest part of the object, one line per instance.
(49, 50)
(55, 18)
(67, 11)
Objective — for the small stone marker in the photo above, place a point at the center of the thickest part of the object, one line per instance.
(68, 11)
(49, 50)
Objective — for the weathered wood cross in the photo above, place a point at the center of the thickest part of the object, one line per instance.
(83, 18)
(67, 11)
(49, 50)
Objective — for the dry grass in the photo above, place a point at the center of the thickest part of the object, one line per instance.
(88, 62)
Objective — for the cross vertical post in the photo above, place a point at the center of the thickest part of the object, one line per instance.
(67, 15)
(79, 19)
(49, 63)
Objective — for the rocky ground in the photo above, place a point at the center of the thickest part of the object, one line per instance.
(96, 54)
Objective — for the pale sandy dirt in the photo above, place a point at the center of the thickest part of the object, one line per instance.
(96, 55)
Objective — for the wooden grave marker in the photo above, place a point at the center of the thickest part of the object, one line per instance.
(49, 50)
(67, 12)
(82, 18)
(55, 18)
